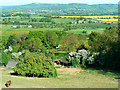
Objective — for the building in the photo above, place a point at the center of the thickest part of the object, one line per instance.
(11, 64)
(14, 26)
(30, 26)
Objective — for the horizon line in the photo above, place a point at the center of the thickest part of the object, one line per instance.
(55, 3)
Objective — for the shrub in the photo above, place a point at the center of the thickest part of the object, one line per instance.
(82, 57)
(36, 65)
(5, 58)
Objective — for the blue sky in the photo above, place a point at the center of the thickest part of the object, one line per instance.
(21, 2)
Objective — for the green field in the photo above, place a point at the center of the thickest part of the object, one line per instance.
(63, 20)
(67, 78)
(60, 24)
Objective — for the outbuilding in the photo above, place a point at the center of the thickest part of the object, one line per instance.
(11, 64)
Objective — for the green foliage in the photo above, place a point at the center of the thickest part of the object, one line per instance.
(71, 42)
(36, 65)
(107, 44)
(16, 40)
(69, 9)
(76, 61)
(5, 58)
(3, 42)
(40, 35)
(100, 42)
(111, 58)
(94, 41)
(52, 38)
(33, 44)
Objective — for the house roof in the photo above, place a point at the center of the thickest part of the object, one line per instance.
(11, 64)
(56, 60)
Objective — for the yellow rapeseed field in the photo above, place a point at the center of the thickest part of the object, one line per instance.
(96, 17)
(101, 18)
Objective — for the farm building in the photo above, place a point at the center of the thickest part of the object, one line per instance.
(1, 64)
(11, 64)
(60, 62)
(30, 26)
(56, 61)
(14, 26)
(80, 22)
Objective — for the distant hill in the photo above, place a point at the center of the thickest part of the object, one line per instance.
(70, 9)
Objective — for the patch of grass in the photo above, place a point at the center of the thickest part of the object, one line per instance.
(67, 77)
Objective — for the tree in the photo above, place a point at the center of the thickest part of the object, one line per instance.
(107, 44)
(38, 34)
(36, 65)
(71, 42)
(4, 58)
(16, 40)
(3, 42)
(33, 44)
(52, 38)
(94, 41)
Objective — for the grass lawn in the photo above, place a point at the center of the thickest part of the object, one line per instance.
(67, 78)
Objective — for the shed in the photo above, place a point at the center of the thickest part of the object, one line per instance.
(11, 64)
(57, 61)
(1, 64)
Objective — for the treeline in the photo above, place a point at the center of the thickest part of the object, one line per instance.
(36, 40)
(107, 44)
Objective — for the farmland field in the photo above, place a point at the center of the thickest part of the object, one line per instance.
(101, 18)
(63, 20)
(89, 27)
(79, 31)
(90, 16)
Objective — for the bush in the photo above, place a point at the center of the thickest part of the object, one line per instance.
(5, 58)
(82, 57)
(36, 65)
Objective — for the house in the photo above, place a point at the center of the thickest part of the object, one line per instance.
(11, 64)
(75, 22)
(109, 22)
(80, 22)
(100, 21)
(30, 26)
(85, 21)
(14, 26)
(103, 21)
(115, 22)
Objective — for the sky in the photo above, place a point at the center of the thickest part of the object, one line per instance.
(22, 2)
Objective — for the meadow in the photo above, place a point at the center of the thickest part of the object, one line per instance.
(67, 78)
